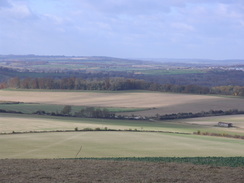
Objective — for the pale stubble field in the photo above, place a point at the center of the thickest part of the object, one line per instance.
(158, 103)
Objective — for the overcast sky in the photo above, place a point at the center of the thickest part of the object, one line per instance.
(212, 29)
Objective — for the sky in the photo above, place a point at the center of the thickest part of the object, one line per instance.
(203, 29)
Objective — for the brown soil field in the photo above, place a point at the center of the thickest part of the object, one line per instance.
(194, 106)
(161, 103)
(113, 99)
(113, 171)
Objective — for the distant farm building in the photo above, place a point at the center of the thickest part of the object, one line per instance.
(223, 124)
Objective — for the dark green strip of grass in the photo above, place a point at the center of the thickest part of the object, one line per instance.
(212, 161)
(29, 108)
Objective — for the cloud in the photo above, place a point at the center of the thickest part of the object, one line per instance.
(106, 27)
(14, 10)
(182, 26)
(54, 19)
(4, 4)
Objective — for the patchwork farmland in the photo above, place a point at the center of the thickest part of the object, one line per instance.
(31, 136)
(148, 102)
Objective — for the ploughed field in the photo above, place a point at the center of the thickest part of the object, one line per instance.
(114, 171)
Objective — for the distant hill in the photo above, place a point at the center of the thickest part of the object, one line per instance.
(4, 58)
(158, 70)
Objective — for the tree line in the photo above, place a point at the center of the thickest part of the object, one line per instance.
(199, 114)
(87, 112)
(115, 84)
(94, 112)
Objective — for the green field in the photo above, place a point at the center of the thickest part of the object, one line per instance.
(29, 108)
(116, 144)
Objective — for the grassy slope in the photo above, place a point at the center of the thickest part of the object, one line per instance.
(116, 144)
(108, 144)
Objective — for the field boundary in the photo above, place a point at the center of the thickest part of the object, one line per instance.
(92, 130)
(225, 135)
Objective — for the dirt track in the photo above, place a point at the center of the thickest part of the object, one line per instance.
(113, 171)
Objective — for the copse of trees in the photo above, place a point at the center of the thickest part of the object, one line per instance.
(92, 112)
(9, 111)
(66, 110)
(87, 112)
(115, 84)
(228, 90)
